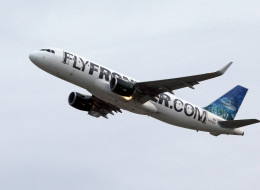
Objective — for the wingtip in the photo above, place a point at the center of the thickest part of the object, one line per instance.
(224, 69)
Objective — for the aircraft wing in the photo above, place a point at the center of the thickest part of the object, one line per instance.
(102, 108)
(153, 88)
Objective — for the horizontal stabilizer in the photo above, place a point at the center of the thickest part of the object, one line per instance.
(237, 123)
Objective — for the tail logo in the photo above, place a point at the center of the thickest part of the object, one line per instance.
(229, 103)
(227, 106)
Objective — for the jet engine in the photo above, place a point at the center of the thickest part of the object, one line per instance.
(121, 87)
(80, 101)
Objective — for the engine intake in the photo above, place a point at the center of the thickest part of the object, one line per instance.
(121, 87)
(80, 101)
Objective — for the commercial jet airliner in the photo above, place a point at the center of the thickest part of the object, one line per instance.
(112, 91)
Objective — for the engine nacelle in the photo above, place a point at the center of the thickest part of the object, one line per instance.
(80, 101)
(121, 87)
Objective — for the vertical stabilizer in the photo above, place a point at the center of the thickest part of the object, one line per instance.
(228, 105)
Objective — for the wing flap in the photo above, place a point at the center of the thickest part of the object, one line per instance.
(102, 108)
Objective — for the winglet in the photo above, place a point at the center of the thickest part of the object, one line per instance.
(224, 69)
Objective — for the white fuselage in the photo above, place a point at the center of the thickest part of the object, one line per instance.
(95, 78)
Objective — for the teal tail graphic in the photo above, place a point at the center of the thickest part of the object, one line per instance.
(227, 106)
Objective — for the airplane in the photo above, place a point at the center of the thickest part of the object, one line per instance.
(112, 91)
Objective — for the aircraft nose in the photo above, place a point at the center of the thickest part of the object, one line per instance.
(33, 57)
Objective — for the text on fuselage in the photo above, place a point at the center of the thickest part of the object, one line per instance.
(179, 106)
(80, 64)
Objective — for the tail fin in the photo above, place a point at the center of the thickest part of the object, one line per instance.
(227, 105)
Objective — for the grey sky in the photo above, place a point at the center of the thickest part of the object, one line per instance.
(46, 144)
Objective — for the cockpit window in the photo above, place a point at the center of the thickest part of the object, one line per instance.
(48, 50)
